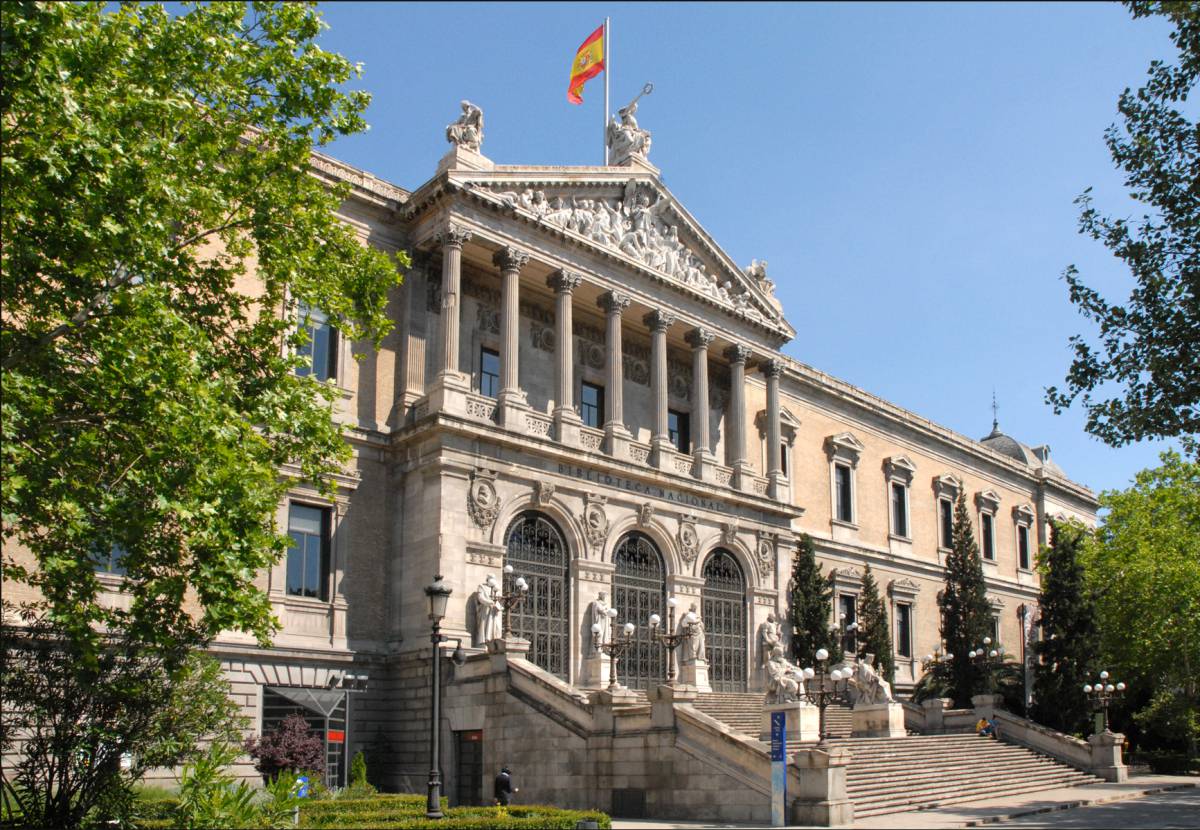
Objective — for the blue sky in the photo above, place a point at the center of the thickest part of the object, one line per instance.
(907, 170)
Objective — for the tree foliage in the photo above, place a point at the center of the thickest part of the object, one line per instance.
(810, 607)
(72, 720)
(1144, 572)
(290, 747)
(1149, 345)
(966, 617)
(874, 630)
(1069, 646)
(159, 218)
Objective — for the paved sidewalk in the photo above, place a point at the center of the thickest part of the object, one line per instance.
(1043, 808)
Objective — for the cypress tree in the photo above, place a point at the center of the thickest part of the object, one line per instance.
(966, 617)
(874, 633)
(810, 607)
(1070, 641)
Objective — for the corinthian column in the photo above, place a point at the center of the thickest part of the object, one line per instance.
(511, 402)
(772, 369)
(736, 449)
(448, 392)
(660, 439)
(699, 339)
(566, 419)
(616, 436)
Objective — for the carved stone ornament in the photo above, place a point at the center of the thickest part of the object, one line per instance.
(467, 131)
(766, 557)
(645, 513)
(482, 502)
(757, 271)
(729, 532)
(595, 522)
(624, 135)
(543, 491)
(689, 540)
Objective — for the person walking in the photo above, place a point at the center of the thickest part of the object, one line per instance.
(504, 788)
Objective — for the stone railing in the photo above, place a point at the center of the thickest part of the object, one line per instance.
(481, 408)
(639, 453)
(723, 475)
(683, 465)
(538, 424)
(591, 439)
(759, 486)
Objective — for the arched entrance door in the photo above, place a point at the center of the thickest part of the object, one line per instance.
(724, 613)
(537, 551)
(639, 590)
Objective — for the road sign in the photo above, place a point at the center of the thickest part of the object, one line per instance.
(778, 768)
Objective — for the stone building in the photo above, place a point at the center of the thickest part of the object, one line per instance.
(583, 385)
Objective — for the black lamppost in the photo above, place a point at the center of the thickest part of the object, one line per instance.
(507, 601)
(1103, 694)
(670, 638)
(825, 692)
(987, 658)
(439, 596)
(615, 648)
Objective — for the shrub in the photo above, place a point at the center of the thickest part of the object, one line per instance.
(390, 812)
(291, 746)
(358, 769)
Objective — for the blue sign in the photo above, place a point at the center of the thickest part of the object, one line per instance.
(778, 768)
(302, 786)
(778, 736)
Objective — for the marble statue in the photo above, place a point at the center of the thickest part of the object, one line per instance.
(691, 647)
(625, 137)
(871, 687)
(598, 615)
(467, 131)
(770, 635)
(785, 682)
(489, 624)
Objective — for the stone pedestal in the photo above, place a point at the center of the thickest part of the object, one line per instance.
(822, 800)
(566, 426)
(597, 671)
(935, 714)
(511, 407)
(460, 158)
(606, 704)
(617, 440)
(501, 651)
(803, 721)
(665, 698)
(448, 394)
(878, 720)
(985, 706)
(695, 673)
(1106, 756)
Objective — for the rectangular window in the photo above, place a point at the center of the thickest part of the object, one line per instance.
(783, 460)
(848, 604)
(904, 629)
(591, 404)
(679, 429)
(899, 510)
(111, 561)
(308, 555)
(947, 508)
(989, 543)
(489, 372)
(995, 631)
(1023, 547)
(842, 483)
(320, 352)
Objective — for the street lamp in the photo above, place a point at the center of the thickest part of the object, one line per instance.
(670, 638)
(615, 648)
(824, 692)
(439, 596)
(987, 658)
(507, 601)
(1102, 694)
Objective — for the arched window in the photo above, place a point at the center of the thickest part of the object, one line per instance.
(639, 590)
(535, 548)
(724, 613)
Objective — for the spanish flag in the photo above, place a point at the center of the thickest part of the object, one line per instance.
(589, 62)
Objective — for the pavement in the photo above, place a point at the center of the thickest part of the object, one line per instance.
(1147, 801)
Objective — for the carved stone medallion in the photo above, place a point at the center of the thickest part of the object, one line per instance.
(595, 522)
(482, 502)
(766, 557)
(543, 491)
(689, 540)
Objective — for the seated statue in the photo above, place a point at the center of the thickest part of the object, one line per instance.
(871, 687)
(467, 131)
(785, 681)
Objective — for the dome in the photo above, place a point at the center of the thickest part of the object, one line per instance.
(1006, 445)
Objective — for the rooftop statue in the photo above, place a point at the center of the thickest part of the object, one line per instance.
(625, 137)
(467, 131)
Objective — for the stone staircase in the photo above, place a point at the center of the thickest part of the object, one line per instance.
(918, 772)
(743, 712)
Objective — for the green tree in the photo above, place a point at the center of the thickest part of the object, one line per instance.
(874, 630)
(1070, 644)
(966, 617)
(160, 222)
(810, 607)
(1144, 573)
(1148, 352)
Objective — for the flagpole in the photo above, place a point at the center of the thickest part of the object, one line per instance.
(607, 72)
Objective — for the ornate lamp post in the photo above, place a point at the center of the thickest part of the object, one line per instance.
(825, 692)
(1102, 694)
(670, 638)
(615, 648)
(439, 596)
(987, 658)
(507, 601)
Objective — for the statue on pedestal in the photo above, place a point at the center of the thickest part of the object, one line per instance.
(625, 137)
(785, 681)
(467, 131)
(691, 647)
(770, 634)
(598, 615)
(489, 625)
(871, 687)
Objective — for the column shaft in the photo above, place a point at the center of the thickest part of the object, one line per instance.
(452, 239)
(564, 284)
(737, 406)
(614, 304)
(510, 261)
(772, 369)
(699, 340)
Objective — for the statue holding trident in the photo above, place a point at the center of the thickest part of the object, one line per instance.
(625, 137)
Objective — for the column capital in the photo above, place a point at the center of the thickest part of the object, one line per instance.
(614, 302)
(510, 258)
(699, 338)
(563, 281)
(659, 320)
(771, 367)
(737, 353)
(452, 236)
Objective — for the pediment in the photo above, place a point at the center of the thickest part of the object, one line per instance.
(632, 217)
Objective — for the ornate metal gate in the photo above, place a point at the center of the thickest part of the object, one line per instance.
(724, 613)
(536, 550)
(639, 590)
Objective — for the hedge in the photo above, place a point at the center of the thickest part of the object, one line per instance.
(408, 811)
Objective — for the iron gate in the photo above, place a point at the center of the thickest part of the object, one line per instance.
(536, 550)
(639, 590)
(724, 613)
